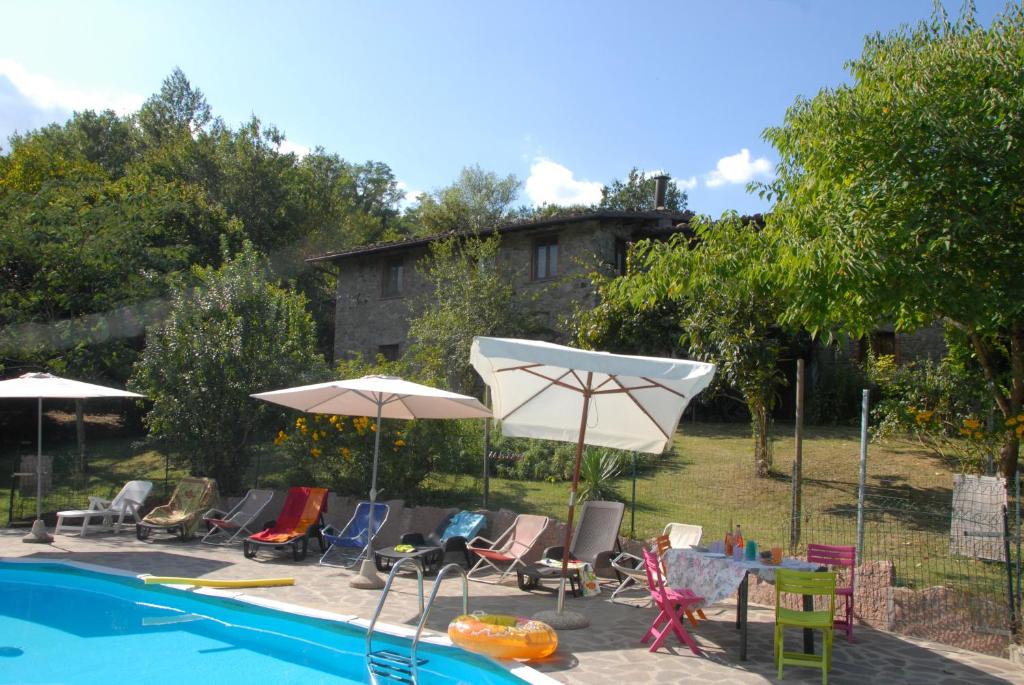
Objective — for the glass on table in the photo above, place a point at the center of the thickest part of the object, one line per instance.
(776, 555)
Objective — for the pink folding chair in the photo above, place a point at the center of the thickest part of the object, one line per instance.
(838, 556)
(672, 604)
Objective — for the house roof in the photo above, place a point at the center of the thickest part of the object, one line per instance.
(659, 223)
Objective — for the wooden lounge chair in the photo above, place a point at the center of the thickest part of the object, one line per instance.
(112, 513)
(181, 515)
(506, 553)
(302, 514)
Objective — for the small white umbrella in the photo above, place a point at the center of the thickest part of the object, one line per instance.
(387, 397)
(40, 386)
(543, 390)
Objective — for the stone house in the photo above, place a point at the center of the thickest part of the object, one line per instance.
(548, 259)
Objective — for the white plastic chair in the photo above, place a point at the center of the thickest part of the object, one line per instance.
(680, 535)
(683, 535)
(125, 504)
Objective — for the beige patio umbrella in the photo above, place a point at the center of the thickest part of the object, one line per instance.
(40, 386)
(543, 390)
(383, 397)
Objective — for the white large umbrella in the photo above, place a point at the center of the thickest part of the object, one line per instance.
(543, 390)
(387, 397)
(39, 386)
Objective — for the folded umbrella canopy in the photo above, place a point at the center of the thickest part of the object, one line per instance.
(39, 386)
(387, 397)
(543, 390)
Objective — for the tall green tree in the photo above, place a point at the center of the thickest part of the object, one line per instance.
(477, 200)
(234, 334)
(725, 310)
(636, 194)
(899, 196)
(468, 294)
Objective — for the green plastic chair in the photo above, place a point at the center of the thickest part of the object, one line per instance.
(815, 583)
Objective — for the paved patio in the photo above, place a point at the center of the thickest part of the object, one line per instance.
(608, 651)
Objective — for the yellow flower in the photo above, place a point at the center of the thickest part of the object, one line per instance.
(924, 416)
(399, 443)
(280, 438)
(345, 452)
(373, 428)
(965, 431)
(973, 424)
(315, 436)
(1012, 421)
(315, 452)
(978, 436)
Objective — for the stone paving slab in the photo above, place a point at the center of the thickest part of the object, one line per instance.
(608, 651)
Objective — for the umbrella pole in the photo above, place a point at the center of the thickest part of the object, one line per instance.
(561, 619)
(39, 460)
(367, 578)
(39, 533)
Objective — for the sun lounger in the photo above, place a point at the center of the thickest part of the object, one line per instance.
(451, 535)
(226, 527)
(301, 514)
(180, 516)
(506, 553)
(352, 542)
(111, 513)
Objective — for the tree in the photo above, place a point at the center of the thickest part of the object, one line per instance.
(727, 311)
(636, 194)
(468, 295)
(477, 200)
(899, 195)
(235, 334)
(178, 109)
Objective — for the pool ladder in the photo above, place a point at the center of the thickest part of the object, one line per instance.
(387, 663)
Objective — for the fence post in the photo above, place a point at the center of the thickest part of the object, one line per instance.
(632, 512)
(487, 449)
(796, 506)
(863, 473)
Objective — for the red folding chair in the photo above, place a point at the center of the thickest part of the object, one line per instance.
(838, 556)
(672, 605)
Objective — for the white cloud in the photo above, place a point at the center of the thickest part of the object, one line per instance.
(297, 149)
(45, 93)
(554, 184)
(409, 197)
(686, 183)
(738, 168)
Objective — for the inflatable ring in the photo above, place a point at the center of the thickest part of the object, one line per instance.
(503, 637)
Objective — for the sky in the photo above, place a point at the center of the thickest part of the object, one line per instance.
(567, 95)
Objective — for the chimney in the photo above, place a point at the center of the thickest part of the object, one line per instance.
(660, 187)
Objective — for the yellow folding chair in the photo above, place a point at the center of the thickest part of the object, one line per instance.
(814, 583)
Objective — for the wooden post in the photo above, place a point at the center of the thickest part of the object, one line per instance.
(487, 450)
(798, 459)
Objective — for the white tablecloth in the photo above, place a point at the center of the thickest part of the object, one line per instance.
(714, 577)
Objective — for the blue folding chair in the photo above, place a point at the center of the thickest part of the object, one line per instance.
(353, 542)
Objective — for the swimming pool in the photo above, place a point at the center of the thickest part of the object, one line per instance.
(67, 624)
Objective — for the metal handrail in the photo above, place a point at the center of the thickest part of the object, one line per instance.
(384, 595)
(425, 613)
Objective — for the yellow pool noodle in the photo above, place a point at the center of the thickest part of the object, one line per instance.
(214, 582)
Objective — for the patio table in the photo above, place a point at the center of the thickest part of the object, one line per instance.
(716, 576)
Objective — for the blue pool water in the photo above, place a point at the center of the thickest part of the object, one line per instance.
(64, 625)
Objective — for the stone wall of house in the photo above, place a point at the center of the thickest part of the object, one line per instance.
(365, 320)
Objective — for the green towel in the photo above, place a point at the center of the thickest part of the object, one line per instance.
(404, 548)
